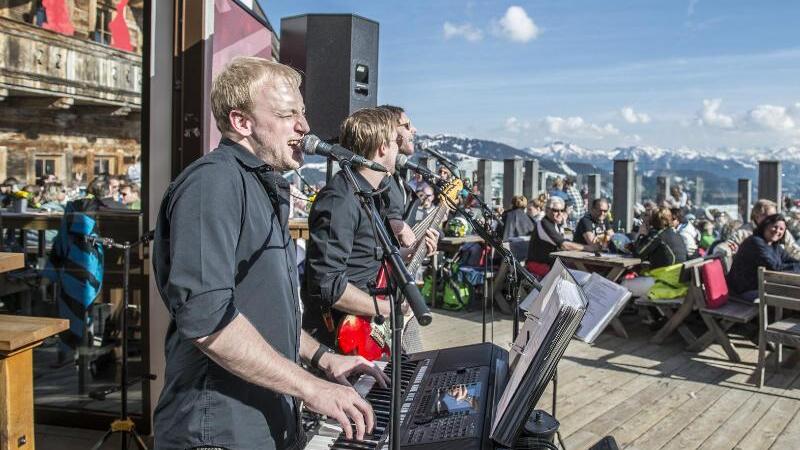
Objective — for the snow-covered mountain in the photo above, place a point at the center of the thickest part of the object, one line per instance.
(719, 169)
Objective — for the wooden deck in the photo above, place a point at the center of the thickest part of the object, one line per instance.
(653, 396)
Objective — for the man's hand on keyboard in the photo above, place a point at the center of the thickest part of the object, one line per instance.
(343, 404)
(340, 367)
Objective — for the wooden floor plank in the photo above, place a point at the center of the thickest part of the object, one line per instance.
(764, 432)
(740, 424)
(790, 435)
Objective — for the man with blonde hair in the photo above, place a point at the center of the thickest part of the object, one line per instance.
(761, 210)
(225, 266)
(340, 257)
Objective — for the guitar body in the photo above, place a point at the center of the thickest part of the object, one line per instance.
(359, 335)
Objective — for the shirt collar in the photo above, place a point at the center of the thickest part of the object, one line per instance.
(243, 155)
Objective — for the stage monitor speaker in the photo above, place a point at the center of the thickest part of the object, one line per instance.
(338, 57)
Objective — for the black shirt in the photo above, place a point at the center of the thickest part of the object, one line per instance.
(222, 247)
(755, 252)
(661, 248)
(516, 223)
(401, 200)
(587, 223)
(546, 238)
(340, 250)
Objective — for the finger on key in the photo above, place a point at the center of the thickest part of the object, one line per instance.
(358, 420)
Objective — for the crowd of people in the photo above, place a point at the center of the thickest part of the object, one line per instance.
(50, 194)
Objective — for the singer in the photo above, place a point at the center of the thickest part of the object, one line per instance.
(340, 254)
(225, 266)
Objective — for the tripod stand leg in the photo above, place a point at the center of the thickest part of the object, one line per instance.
(139, 442)
(103, 440)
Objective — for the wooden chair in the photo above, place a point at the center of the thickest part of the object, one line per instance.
(779, 290)
(718, 309)
(677, 310)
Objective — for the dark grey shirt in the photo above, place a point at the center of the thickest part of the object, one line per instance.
(402, 200)
(222, 248)
(341, 250)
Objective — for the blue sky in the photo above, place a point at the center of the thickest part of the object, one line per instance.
(694, 73)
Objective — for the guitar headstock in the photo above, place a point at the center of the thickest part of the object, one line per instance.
(451, 190)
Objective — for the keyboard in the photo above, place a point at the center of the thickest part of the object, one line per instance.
(448, 396)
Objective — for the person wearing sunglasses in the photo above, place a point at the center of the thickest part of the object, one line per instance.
(594, 227)
(548, 237)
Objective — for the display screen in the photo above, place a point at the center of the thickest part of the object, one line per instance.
(457, 398)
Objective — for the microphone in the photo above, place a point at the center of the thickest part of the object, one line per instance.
(403, 163)
(442, 159)
(313, 145)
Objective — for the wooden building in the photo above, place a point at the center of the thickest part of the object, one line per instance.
(70, 88)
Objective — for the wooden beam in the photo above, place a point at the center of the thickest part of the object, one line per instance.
(45, 102)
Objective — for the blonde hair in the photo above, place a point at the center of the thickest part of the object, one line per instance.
(364, 131)
(760, 208)
(236, 86)
(519, 201)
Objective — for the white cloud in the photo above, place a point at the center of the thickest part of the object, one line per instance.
(466, 31)
(710, 115)
(515, 126)
(771, 117)
(516, 25)
(632, 116)
(577, 127)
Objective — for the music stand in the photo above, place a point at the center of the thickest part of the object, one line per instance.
(123, 424)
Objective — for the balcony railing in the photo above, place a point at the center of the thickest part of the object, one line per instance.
(35, 62)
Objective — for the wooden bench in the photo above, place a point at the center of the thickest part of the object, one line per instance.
(677, 310)
(782, 291)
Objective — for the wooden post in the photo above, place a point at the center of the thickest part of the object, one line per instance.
(769, 182)
(485, 180)
(622, 203)
(512, 180)
(639, 189)
(699, 186)
(662, 189)
(594, 187)
(542, 182)
(530, 179)
(745, 199)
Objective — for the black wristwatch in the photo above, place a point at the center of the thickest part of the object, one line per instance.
(318, 354)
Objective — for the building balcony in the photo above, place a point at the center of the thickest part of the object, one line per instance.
(42, 68)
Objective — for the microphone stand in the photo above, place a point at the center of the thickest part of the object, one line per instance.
(401, 279)
(124, 425)
(515, 269)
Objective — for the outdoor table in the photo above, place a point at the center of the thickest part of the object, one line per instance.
(38, 221)
(616, 266)
(298, 228)
(19, 335)
(11, 261)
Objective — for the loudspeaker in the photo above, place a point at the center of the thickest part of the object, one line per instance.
(338, 57)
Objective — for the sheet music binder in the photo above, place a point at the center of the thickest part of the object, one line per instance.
(552, 318)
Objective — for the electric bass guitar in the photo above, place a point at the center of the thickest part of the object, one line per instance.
(360, 335)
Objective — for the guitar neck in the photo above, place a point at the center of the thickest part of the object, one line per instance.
(436, 218)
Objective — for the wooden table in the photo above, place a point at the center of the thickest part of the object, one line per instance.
(298, 228)
(18, 337)
(616, 266)
(11, 261)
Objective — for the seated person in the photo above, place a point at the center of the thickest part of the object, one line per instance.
(762, 249)
(535, 209)
(516, 221)
(761, 209)
(659, 245)
(548, 236)
(594, 227)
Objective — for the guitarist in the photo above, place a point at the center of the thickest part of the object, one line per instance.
(340, 254)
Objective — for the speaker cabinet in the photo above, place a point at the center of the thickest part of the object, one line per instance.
(338, 57)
